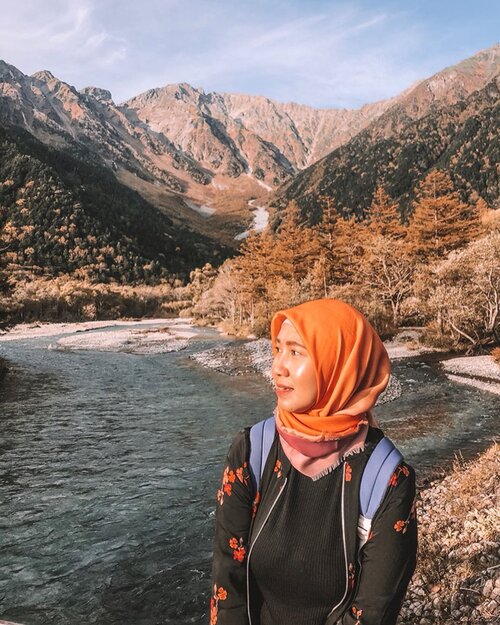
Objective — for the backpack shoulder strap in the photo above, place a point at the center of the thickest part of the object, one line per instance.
(261, 438)
(374, 483)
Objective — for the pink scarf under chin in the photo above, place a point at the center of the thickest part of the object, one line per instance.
(304, 455)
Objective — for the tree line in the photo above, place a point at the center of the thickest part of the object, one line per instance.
(440, 269)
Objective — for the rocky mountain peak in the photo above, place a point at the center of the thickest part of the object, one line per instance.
(9, 72)
(102, 95)
(44, 75)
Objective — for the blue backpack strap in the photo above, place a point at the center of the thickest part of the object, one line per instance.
(261, 438)
(376, 475)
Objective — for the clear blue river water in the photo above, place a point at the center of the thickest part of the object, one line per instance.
(109, 464)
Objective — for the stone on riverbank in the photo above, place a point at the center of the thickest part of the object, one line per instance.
(458, 574)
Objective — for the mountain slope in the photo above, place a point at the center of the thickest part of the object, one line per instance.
(62, 215)
(200, 157)
(397, 151)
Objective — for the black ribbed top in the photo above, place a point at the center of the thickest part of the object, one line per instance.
(298, 560)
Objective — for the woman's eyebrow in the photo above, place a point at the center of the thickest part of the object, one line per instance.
(291, 343)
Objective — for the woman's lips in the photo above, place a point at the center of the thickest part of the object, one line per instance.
(282, 390)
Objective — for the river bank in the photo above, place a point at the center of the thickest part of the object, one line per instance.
(144, 336)
(458, 574)
(481, 372)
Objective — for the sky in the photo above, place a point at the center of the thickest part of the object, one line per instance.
(324, 53)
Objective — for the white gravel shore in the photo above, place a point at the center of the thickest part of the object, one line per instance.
(23, 331)
(481, 372)
(165, 335)
(143, 341)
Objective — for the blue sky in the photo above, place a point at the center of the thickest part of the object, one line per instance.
(317, 52)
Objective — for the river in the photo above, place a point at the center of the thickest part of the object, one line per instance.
(109, 463)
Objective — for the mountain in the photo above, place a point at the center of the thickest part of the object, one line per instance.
(201, 157)
(235, 134)
(449, 120)
(59, 215)
(180, 147)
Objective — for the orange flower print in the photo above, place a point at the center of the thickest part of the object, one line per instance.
(213, 611)
(229, 478)
(220, 594)
(255, 504)
(241, 474)
(357, 614)
(348, 472)
(239, 550)
(400, 526)
(277, 468)
(395, 476)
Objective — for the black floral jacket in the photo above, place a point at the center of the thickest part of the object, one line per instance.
(376, 577)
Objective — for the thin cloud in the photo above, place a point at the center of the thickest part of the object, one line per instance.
(71, 38)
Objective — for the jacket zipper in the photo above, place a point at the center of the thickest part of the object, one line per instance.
(345, 548)
(252, 545)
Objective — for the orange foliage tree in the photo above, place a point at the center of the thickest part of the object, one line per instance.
(441, 222)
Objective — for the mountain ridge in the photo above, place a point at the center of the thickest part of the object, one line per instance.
(182, 147)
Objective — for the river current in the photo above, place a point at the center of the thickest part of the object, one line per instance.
(109, 464)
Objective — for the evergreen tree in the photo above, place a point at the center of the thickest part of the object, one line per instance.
(383, 216)
(340, 245)
(295, 246)
(441, 222)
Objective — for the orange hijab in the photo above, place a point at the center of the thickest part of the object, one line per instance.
(352, 369)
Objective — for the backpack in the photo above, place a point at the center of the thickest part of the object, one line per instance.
(374, 482)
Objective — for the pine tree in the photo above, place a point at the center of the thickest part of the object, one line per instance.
(295, 246)
(349, 249)
(340, 240)
(383, 216)
(441, 222)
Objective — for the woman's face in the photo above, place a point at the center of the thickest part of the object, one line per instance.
(293, 371)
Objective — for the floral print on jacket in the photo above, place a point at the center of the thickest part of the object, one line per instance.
(388, 558)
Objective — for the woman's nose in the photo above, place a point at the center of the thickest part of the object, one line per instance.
(279, 365)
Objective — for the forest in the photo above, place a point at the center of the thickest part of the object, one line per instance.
(439, 269)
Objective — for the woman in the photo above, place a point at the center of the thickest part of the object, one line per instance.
(288, 554)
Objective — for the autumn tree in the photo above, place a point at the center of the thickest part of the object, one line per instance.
(441, 222)
(382, 217)
(295, 246)
(226, 297)
(253, 270)
(200, 280)
(387, 271)
(464, 296)
(490, 218)
(341, 245)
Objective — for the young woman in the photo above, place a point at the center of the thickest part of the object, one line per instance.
(289, 554)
